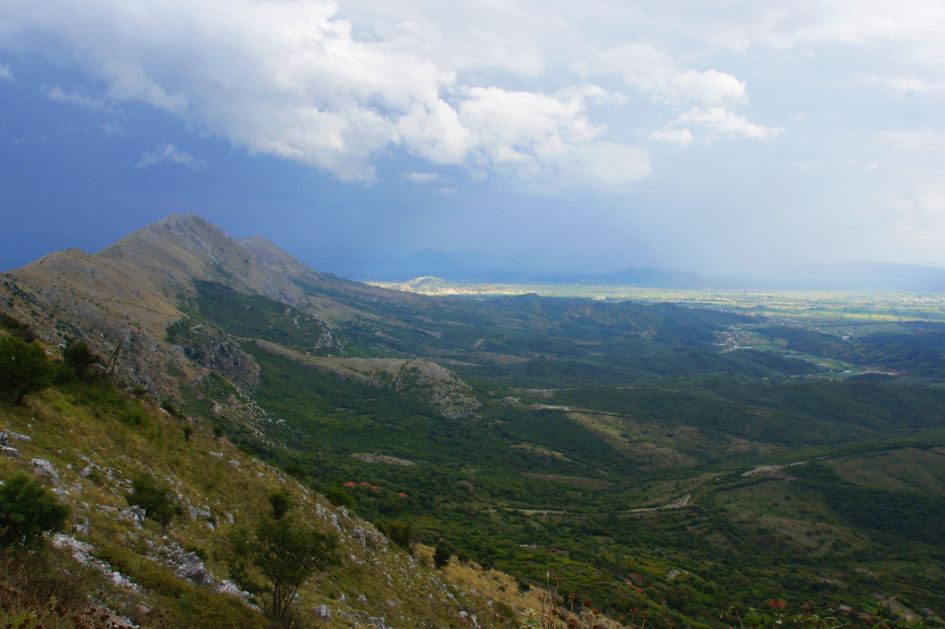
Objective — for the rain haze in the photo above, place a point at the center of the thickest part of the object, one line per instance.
(738, 138)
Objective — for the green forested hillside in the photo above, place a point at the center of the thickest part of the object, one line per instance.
(620, 410)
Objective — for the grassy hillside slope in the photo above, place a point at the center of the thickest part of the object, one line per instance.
(97, 437)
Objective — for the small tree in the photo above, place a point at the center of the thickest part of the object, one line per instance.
(400, 533)
(188, 431)
(155, 498)
(24, 367)
(441, 554)
(28, 511)
(81, 358)
(288, 554)
(339, 495)
(281, 503)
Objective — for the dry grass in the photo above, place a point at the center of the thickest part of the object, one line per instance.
(370, 582)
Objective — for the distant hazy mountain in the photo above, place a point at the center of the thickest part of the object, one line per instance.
(867, 275)
(472, 266)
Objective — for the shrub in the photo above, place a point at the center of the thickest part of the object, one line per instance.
(401, 533)
(295, 470)
(155, 498)
(188, 431)
(441, 555)
(287, 554)
(217, 431)
(80, 358)
(339, 495)
(281, 503)
(139, 391)
(200, 551)
(28, 511)
(168, 406)
(24, 367)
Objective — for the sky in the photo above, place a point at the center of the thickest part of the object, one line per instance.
(735, 137)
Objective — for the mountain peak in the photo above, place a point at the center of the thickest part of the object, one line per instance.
(181, 248)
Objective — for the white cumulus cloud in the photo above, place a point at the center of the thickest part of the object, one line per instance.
(169, 153)
(293, 79)
(657, 72)
(719, 122)
(421, 177)
(6, 72)
(669, 135)
(56, 93)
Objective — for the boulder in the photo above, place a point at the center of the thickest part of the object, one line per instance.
(44, 469)
(189, 566)
(323, 613)
(134, 513)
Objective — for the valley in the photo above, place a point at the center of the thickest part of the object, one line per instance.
(677, 453)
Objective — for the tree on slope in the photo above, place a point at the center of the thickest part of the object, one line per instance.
(24, 368)
(155, 498)
(28, 511)
(288, 554)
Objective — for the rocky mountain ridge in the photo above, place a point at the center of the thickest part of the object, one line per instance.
(123, 298)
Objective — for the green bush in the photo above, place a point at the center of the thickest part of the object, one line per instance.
(295, 470)
(139, 391)
(24, 368)
(28, 511)
(288, 554)
(339, 495)
(442, 554)
(200, 551)
(281, 503)
(80, 358)
(171, 409)
(401, 533)
(154, 497)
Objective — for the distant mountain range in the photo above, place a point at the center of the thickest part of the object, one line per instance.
(471, 266)
(866, 275)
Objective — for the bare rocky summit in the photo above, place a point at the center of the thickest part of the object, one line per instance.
(123, 298)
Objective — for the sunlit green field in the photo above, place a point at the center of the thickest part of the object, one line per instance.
(844, 314)
(828, 308)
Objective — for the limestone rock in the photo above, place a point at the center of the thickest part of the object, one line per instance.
(189, 566)
(44, 469)
(135, 514)
(323, 613)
